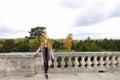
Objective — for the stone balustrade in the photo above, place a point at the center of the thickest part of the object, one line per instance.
(87, 62)
(26, 63)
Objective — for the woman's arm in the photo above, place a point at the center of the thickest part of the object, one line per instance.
(37, 51)
(52, 56)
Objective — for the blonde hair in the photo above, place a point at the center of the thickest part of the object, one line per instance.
(43, 45)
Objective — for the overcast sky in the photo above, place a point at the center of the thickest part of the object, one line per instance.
(97, 19)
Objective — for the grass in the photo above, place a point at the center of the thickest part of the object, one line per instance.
(64, 50)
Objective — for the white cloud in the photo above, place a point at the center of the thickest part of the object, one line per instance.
(60, 17)
(92, 11)
(106, 29)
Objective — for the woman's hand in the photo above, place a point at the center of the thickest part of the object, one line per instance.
(53, 59)
(34, 54)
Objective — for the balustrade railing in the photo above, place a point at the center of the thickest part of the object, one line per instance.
(86, 61)
(19, 63)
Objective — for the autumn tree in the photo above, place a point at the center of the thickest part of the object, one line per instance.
(68, 42)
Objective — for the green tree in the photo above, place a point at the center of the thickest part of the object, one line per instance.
(93, 47)
(1, 46)
(23, 45)
(83, 47)
(33, 44)
(36, 33)
(58, 44)
(116, 45)
(8, 45)
(75, 44)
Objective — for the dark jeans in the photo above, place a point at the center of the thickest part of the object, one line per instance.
(46, 67)
(46, 61)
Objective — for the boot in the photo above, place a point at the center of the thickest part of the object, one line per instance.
(46, 76)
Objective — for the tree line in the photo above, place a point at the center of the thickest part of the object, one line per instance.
(97, 45)
(31, 45)
(38, 34)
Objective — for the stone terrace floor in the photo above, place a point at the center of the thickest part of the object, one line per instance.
(67, 76)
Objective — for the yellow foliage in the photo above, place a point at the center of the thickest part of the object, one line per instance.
(68, 42)
(43, 37)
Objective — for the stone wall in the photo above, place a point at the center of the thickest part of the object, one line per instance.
(16, 63)
(26, 63)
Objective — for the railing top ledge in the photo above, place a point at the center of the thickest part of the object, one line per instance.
(30, 54)
(85, 53)
(17, 54)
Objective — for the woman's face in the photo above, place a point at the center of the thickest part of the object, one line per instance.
(46, 42)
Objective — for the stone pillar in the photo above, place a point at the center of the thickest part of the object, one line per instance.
(89, 63)
(63, 62)
(95, 62)
(76, 62)
(69, 61)
(107, 61)
(55, 63)
(118, 61)
(113, 61)
(83, 62)
(101, 62)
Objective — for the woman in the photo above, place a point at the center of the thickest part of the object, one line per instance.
(46, 55)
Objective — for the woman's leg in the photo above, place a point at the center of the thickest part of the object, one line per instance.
(46, 66)
(46, 69)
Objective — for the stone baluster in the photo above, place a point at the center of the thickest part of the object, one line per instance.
(113, 61)
(83, 62)
(118, 61)
(107, 61)
(95, 62)
(63, 62)
(101, 62)
(69, 61)
(89, 63)
(55, 63)
(76, 62)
